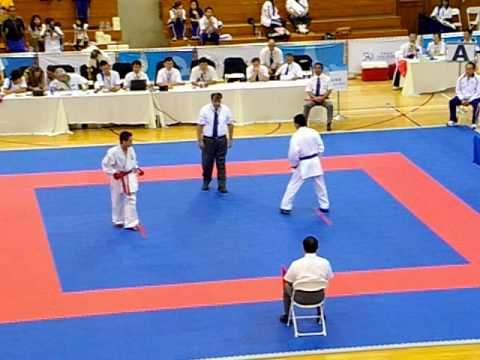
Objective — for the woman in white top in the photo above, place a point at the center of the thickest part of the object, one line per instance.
(35, 30)
(442, 12)
(53, 36)
(437, 46)
(176, 21)
(270, 17)
(80, 34)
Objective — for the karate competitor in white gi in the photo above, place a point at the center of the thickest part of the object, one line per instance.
(121, 164)
(306, 149)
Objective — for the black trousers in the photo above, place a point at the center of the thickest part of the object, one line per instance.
(301, 297)
(215, 151)
(299, 20)
(454, 102)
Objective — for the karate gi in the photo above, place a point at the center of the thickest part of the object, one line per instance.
(123, 190)
(306, 149)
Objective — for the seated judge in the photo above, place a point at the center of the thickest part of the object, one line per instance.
(67, 81)
(272, 57)
(136, 74)
(203, 74)
(411, 50)
(290, 70)
(467, 93)
(15, 84)
(469, 39)
(319, 88)
(168, 75)
(35, 78)
(257, 71)
(108, 80)
(437, 46)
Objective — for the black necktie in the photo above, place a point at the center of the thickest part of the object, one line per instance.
(271, 58)
(257, 78)
(317, 91)
(215, 124)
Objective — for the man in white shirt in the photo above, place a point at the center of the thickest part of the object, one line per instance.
(411, 50)
(108, 79)
(215, 137)
(120, 163)
(468, 93)
(469, 39)
(437, 46)
(136, 74)
(257, 72)
(209, 28)
(272, 57)
(318, 90)
(311, 268)
(203, 74)
(168, 75)
(15, 84)
(290, 70)
(65, 82)
(298, 15)
(306, 149)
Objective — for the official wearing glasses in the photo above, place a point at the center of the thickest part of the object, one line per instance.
(215, 136)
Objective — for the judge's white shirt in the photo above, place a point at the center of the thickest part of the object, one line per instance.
(208, 26)
(325, 85)
(108, 82)
(311, 268)
(306, 142)
(207, 117)
(436, 49)
(198, 75)
(468, 88)
(269, 13)
(263, 71)
(290, 71)
(297, 7)
(134, 76)
(9, 85)
(408, 51)
(116, 160)
(171, 76)
(266, 56)
(442, 13)
(75, 82)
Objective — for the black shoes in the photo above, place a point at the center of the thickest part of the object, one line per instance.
(329, 127)
(205, 186)
(284, 319)
(222, 189)
(325, 211)
(285, 212)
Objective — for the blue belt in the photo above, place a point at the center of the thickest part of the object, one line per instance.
(309, 157)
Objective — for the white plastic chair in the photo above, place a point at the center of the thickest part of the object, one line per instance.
(312, 287)
(473, 17)
(456, 18)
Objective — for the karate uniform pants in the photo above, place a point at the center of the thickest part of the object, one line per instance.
(453, 103)
(327, 104)
(124, 207)
(296, 183)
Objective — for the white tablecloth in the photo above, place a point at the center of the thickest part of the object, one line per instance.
(271, 101)
(430, 76)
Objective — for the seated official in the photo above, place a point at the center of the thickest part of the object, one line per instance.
(319, 88)
(290, 70)
(272, 57)
(50, 73)
(468, 93)
(257, 72)
(411, 50)
(108, 79)
(437, 46)
(209, 28)
(298, 15)
(67, 81)
(168, 75)
(311, 268)
(136, 74)
(203, 74)
(469, 39)
(15, 84)
(35, 79)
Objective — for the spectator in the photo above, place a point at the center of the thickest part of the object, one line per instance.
(80, 34)
(13, 30)
(203, 74)
(195, 13)
(209, 28)
(443, 12)
(311, 268)
(290, 70)
(257, 72)
(298, 15)
(168, 75)
(136, 74)
(437, 46)
(15, 84)
(270, 17)
(67, 81)
(176, 21)
(108, 80)
(272, 57)
(35, 78)
(53, 36)
(35, 31)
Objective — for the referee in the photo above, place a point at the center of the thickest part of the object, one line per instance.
(215, 136)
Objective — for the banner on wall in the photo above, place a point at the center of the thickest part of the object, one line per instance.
(14, 62)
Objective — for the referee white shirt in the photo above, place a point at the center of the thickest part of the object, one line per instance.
(167, 77)
(263, 71)
(198, 75)
(325, 85)
(311, 268)
(108, 82)
(267, 55)
(291, 71)
(134, 76)
(207, 117)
